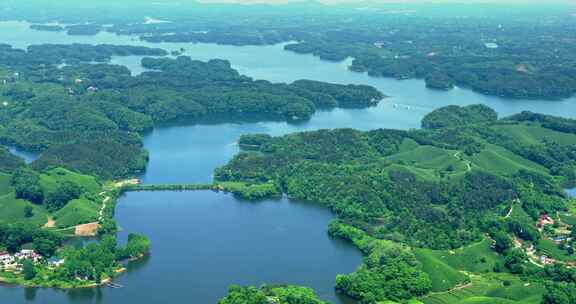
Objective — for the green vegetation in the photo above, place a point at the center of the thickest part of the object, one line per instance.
(436, 194)
(390, 271)
(90, 118)
(14, 236)
(496, 50)
(442, 275)
(455, 116)
(249, 191)
(68, 197)
(444, 215)
(86, 266)
(77, 211)
(452, 207)
(270, 294)
(505, 289)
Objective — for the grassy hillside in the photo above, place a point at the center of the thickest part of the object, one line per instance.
(478, 257)
(502, 161)
(443, 276)
(534, 134)
(78, 211)
(5, 187)
(50, 179)
(490, 289)
(12, 211)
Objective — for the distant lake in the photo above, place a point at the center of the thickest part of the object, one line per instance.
(204, 241)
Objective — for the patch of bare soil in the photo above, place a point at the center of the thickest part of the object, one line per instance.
(89, 229)
(51, 223)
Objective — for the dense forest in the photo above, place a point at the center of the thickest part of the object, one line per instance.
(442, 187)
(90, 117)
(498, 50)
(270, 294)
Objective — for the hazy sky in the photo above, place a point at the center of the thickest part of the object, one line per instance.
(393, 1)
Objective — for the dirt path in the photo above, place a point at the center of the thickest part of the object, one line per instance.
(101, 212)
(458, 156)
(516, 201)
(532, 258)
(91, 229)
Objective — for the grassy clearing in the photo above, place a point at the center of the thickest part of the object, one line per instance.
(78, 211)
(478, 257)
(428, 162)
(408, 144)
(501, 161)
(497, 288)
(50, 179)
(427, 157)
(424, 174)
(5, 187)
(443, 276)
(532, 134)
(12, 211)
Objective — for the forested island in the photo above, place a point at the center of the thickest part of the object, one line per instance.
(482, 192)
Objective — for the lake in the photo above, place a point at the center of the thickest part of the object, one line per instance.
(204, 241)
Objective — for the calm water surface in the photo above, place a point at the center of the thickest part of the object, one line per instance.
(204, 241)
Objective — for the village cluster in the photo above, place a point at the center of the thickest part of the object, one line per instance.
(14, 262)
(544, 221)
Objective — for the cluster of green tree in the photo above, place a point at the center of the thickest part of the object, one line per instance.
(270, 294)
(425, 188)
(455, 116)
(138, 245)
(27, 185)
(44, 58)
(498, 76)
(83, 29)
(90, 117)
(547, 121)
(389, 272)
(96, 261)
(71, 53)
(14, 236)
(105, 158)
(560, 283)
(500, 231)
